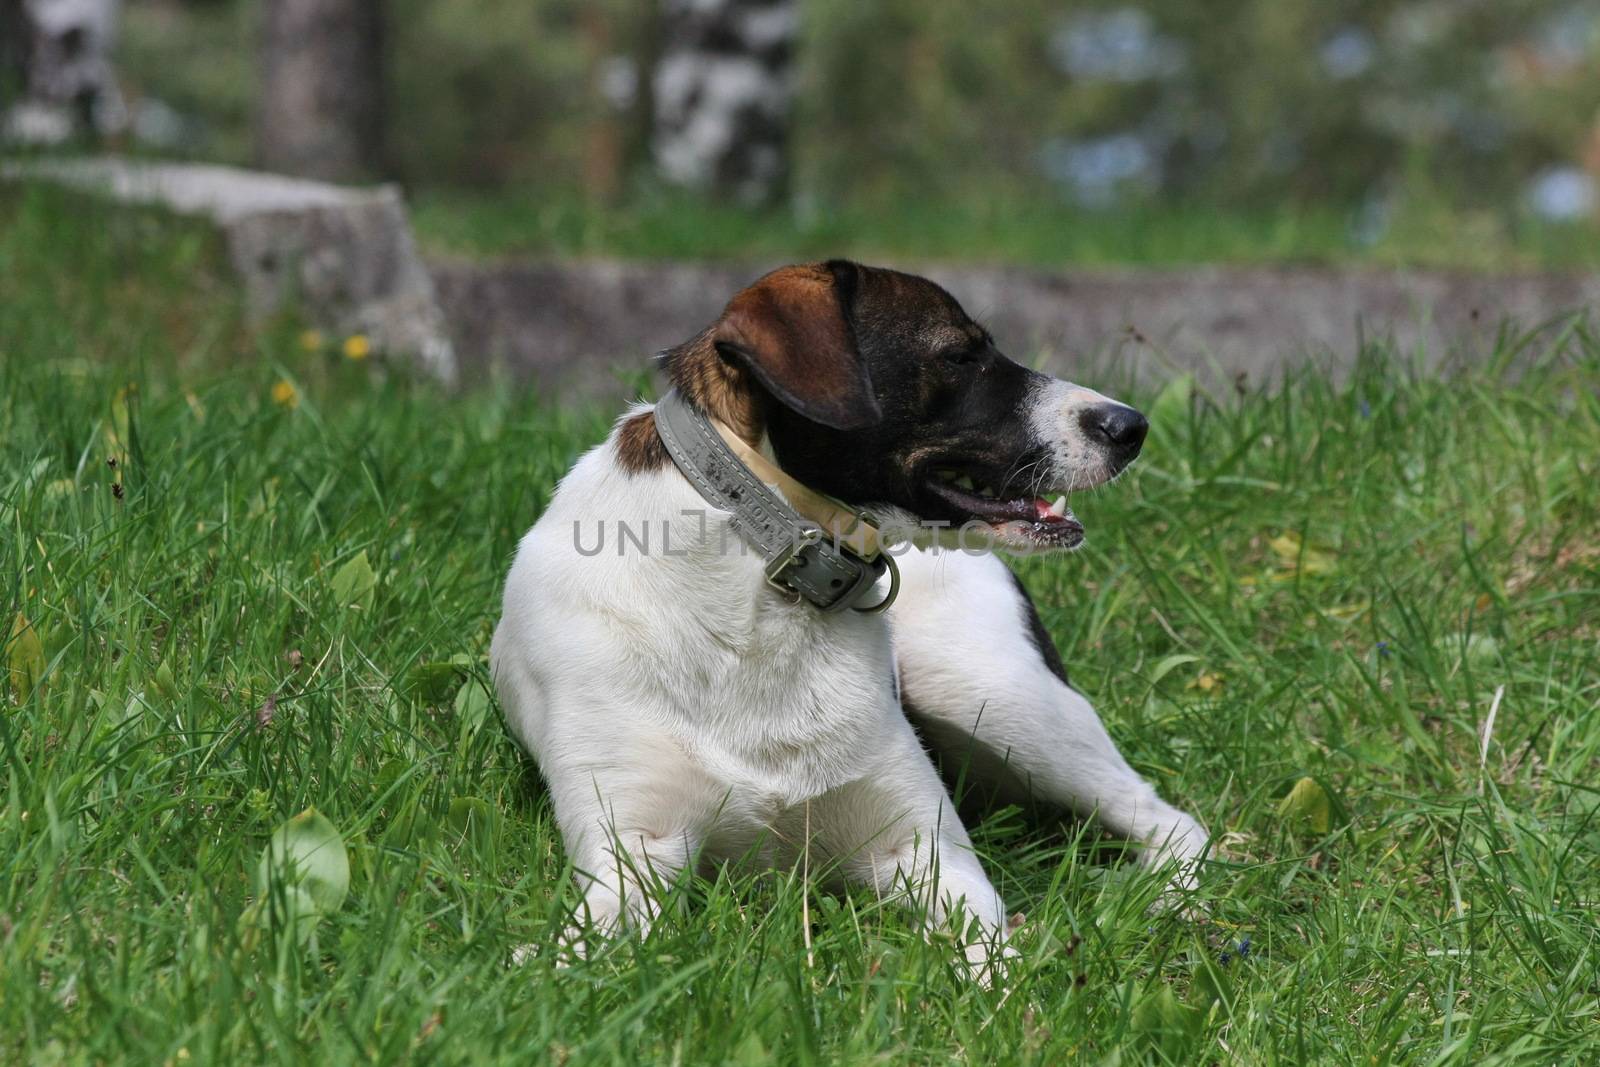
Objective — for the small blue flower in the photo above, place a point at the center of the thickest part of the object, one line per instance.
(1366, 410)
(1383, 649)
(1244, 949)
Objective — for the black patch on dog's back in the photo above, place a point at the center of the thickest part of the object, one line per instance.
(1042, 641)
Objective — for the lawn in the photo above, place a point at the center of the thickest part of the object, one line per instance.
(246, 575)
(1045, 232)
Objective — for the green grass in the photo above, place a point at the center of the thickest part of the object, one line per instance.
(1328, 582)
(1045, 232)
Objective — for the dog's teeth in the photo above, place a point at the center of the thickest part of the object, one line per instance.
(1059, 508)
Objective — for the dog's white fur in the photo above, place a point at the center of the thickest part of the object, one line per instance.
(682, 711)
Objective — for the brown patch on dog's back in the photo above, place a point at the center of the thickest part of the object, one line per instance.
(639, 447)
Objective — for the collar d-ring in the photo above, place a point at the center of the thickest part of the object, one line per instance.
(894, 589)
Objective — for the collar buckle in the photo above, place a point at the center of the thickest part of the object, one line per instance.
(847, 573)
(779, 565)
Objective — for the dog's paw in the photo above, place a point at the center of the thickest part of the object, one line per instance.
(1177, 851)
(987, 962)
(572, 947)
(574, 944)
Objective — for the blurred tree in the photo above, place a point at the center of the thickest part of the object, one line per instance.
(13, 30)
(321, 111)
(56, 55)
(723, 93)
(620, 41)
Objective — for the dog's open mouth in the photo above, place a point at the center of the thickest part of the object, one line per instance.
(1014, 513)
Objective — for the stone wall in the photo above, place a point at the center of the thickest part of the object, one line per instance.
(571, 324)
(343, 257)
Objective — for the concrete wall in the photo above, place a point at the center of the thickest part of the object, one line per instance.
(570, 323)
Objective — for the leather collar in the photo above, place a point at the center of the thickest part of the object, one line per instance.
(815, 548)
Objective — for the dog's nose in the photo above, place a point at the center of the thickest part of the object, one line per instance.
(1116, 425)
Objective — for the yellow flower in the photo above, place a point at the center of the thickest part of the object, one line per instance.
(311, 340)
(356, 346)
(284, 393)
(1206, 682)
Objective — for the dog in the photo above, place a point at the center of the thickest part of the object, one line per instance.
(686, 707)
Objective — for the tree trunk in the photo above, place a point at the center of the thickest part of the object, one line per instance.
(13, 51)
(56, 78)
(602, 135)
(322, 89)
(722, 93)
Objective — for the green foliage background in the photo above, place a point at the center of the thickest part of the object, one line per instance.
(950, 99)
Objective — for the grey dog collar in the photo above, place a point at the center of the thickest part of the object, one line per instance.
(802, 558)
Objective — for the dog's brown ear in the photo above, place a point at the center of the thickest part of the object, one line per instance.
(791, 332)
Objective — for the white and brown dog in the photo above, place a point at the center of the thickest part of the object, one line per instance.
(685, 711)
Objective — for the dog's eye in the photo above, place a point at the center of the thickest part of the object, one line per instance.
(961, 356)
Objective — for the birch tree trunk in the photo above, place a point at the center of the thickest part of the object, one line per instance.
(322, 99)
(55, 69)
(722, 95)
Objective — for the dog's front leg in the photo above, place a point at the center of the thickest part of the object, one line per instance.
(981, 676)
(1044, 739)
(1072, 762)
(897, 832)
(629, 831)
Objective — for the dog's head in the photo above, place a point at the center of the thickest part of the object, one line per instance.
(877, 388)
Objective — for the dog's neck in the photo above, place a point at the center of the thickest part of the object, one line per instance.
(727, 394)
(718, 388)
